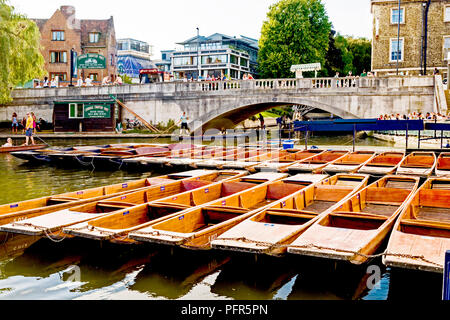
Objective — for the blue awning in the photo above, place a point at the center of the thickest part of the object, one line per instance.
(131, 65)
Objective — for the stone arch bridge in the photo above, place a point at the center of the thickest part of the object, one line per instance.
(228, 103)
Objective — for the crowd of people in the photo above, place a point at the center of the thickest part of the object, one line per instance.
(87, 82)
(432, 116)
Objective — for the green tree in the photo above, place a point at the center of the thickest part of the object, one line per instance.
(347, 54)
(361, 50)
(20, 56)
(295, 32)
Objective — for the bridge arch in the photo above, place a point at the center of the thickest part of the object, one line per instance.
(229, 115)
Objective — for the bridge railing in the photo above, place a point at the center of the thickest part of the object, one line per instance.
(347, 84)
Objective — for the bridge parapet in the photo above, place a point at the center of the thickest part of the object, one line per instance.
(347, 84)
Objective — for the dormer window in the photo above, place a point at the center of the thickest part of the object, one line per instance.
(94, 37)
(58, 36)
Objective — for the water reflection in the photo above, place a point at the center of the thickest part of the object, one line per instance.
(250, 278)
(407, 285)
(172, 273)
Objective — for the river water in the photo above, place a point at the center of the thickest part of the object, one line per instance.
(38, 268)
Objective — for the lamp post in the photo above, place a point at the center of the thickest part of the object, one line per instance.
(198, 53)
(425, 35)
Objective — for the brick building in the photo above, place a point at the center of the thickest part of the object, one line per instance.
(408, 49)
(63, 32)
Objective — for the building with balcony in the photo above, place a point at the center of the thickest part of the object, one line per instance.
(63, 32)
(409, 50)
(133, 56)
(216, 56)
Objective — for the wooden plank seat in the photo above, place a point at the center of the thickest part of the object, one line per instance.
(417, 165)
(170, 205)
(374, 164)
(227, 209)
(63, 199)
(425, 223)
(359, 215)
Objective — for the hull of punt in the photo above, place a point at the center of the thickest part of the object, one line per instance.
(350, 163)
(421, 235)
(270, 231)
(359, 226)
(195, 229)
(287, 161)
(317, 163)
(443, 165)
(22, 148)
(56, 220)
(19, 211)
(420, 164)
(117, 224)
(383, 164)
(31, 156)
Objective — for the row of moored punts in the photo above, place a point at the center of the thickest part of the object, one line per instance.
(282, 212)
(147, 157)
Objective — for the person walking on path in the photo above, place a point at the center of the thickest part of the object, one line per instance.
(15, 123)
(29, 130)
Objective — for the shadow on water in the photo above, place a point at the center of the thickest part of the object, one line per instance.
(415, 285)
(247, 277)
(172, 273)
(320, 279)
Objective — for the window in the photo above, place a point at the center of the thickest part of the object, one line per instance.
(185, 61)
(61, 76)
(213, 59)
(395, 16)
(93, 76)
(76, 111)
(244, 62)
(58, 36)
(396, 50)
(446, 47)
(94, 37)
(447, 14)
(58, 57)
(233, 59)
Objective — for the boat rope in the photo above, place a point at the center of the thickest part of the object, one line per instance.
(85, 163)
(272, 246)
(43, 229)
(158, 234)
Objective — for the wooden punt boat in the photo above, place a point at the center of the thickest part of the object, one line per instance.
(18, 211)
(114, 225)
(360, 224)
(196, 228)
(318, 162)
(443, 165)
(56, 220)
(271, 230)
(421, 235)
(350, 163)
(282, 163)
(383, 164)
(418, 164)
(250, 163)
(22, 148)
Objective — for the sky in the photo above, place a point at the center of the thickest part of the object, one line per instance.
(163, 23)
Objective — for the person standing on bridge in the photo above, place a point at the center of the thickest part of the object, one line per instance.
(184, 124)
